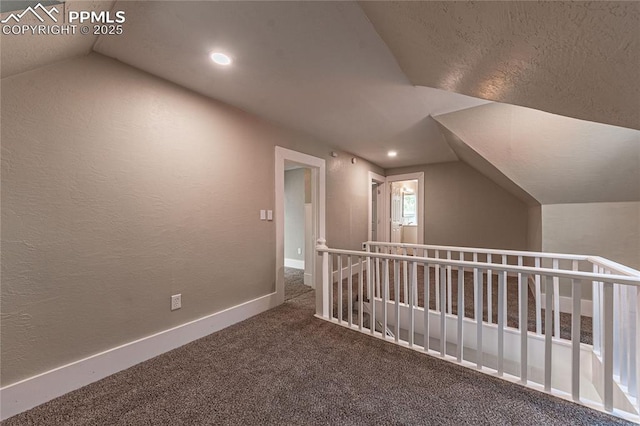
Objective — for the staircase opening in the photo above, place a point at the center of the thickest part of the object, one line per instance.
(479, 308)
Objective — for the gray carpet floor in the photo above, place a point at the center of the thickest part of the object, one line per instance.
(294, 283)
(285, 367)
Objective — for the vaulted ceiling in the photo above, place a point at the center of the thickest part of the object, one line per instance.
(415, 77)
(319, 67)
(574, 58)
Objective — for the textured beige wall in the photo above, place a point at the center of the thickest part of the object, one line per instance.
(120, 189)
(610, 230)
(465, 208)
(534, 229)
(294, 199)
(348, 207)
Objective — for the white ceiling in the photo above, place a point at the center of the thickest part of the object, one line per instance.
(575, 58)
(556, 159)
(319, 67)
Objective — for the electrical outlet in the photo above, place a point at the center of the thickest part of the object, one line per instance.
(176, 302)
(299, 250)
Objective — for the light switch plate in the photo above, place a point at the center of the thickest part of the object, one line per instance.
(269, 214)
(263, 215)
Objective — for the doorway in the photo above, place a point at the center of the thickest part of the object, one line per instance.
(377, 207)
(404, 212)
(298, 223)
(396, 208)
(306, 173)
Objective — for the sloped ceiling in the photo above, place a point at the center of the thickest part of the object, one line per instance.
(322, 68)
(21, 53)
(319, 67)
(553, 158)
(578, 59)
(468, 155)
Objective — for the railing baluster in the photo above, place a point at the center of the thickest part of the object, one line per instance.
(475, 289)
(404, 276)
(501, 317)
(427, 285)
(437, 282)
(524, 333)
(623, 334)
(504, 301)
(520, 289)
(477, 285)
(556, 302)
(327, 282)
(460, 313)
(385, 293)
(597, 310)
(635, 344)
(548, 330)
(538, 299)
(449, 284)
(378, 277)
(443, 312)
(350, 291)
(607, 344)
(634, 328)
(616, 330)
(413, 273)
(340, 288)
(576, 286)
(369, 277)
(372, 298)
(360, 294)
(396, 297)
(489, 292)
(330, 279)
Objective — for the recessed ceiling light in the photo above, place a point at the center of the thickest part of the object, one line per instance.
(392, 153)
(220, 58)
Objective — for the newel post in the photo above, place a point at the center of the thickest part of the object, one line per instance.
(322, 248)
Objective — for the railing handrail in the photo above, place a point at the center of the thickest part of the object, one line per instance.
(483, 250)
(614, 266)
(586, 276)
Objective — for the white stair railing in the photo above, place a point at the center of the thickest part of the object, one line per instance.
(392, 285)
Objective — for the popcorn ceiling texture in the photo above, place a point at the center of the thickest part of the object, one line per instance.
(578, 59)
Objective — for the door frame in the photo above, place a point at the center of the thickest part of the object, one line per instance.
(381, 180)
(318, 211)
(387, 213)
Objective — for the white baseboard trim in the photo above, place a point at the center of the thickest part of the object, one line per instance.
(307, 279)
(566, 305)
(36, 390)
(566, 302)
(294, 263)
(345, 271)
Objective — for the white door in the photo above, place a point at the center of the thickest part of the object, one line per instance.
(396, 213)
(380, 204)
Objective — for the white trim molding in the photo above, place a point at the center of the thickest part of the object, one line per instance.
(381, 180)
(565, 302)
(36, 390)
(355, 268)
(293, 263)
(419, 176)
(566, 305)
(318, 213)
